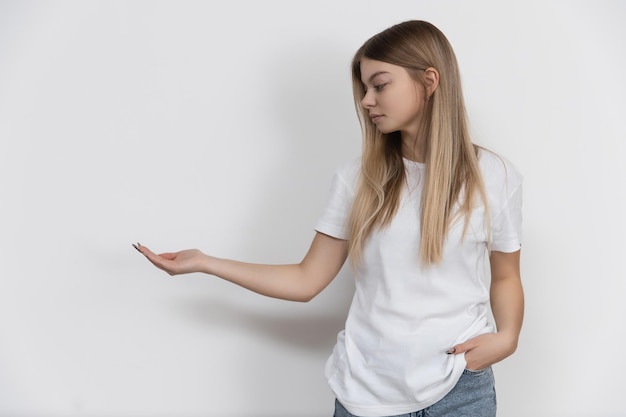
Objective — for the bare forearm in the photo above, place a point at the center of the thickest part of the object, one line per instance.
(507, 304)
(278, 281)
(507, 299)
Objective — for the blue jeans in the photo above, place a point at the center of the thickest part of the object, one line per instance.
(473, 396)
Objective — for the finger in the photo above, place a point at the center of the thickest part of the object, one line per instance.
(152, 257)
(142, 249)
(162, 262)
(451, 351)
(460, 348)
(169, 256)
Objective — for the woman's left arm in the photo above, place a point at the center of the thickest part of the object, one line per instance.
(507, 296)
(507, 304)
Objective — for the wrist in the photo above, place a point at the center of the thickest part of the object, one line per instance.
(207, 264)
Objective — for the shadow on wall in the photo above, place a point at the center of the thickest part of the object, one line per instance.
(316, 333)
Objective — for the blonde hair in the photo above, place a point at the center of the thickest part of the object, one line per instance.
(452, 171)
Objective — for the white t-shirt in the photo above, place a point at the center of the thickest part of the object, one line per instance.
(391, 358)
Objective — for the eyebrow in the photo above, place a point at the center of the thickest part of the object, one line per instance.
(376, 74)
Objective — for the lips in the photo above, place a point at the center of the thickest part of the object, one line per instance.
(375, 117)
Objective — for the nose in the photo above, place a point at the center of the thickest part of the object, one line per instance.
(368, 100)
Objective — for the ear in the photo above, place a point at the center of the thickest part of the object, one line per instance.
(431, 80)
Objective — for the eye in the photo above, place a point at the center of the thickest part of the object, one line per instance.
(379, 87)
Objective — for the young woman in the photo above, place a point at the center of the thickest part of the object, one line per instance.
(426, 218)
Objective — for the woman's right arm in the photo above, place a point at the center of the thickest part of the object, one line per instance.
(294, 282)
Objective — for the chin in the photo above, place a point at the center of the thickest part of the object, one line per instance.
(384, 130)
(387, 131)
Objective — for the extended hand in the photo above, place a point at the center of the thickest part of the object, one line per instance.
(485, 350)
(183, 262)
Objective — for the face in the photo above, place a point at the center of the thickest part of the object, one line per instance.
(392, 99)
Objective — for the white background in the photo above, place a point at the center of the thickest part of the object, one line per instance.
(219, 125)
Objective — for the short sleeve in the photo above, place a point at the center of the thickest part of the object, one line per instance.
(334, 218)
(507, 224)
(504, 185)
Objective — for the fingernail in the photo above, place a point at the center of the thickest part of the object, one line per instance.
(451, 351)
(136, 247)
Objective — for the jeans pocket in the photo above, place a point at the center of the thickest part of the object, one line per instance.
(475, 371)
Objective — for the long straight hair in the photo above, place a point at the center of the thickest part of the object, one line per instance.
(453, 177)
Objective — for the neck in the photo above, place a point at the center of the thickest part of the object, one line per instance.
(414, 147)
(414, 138)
